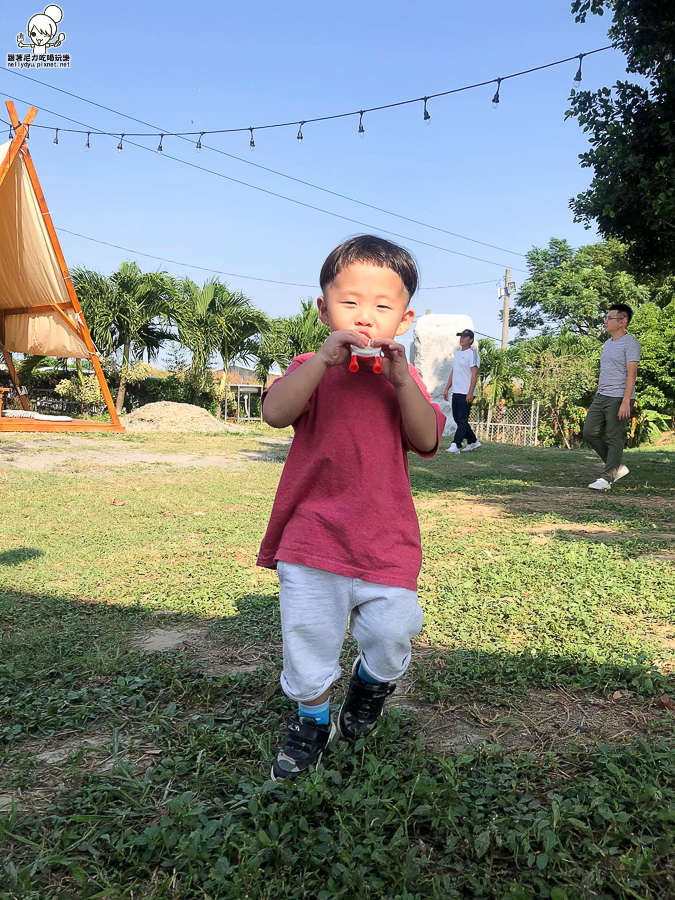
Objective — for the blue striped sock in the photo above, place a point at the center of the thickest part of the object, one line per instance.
(320, 712)
(364, 676)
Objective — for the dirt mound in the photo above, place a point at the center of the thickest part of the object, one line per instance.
(167, 416)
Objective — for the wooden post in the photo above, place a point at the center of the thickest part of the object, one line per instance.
(51, 231)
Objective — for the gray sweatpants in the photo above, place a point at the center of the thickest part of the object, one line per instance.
(315, 607)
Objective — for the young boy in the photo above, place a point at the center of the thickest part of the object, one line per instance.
(343, 534)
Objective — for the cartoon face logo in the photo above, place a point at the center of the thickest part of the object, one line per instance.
(42, 29)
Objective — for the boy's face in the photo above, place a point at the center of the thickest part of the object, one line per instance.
(369, 299)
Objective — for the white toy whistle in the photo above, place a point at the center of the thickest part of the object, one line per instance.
(365, 353)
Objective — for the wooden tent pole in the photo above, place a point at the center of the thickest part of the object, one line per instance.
(20, 134)
(83, 330)
(14, 377)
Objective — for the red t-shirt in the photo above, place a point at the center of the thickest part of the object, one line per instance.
(343, 503)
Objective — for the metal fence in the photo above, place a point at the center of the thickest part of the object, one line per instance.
(507, 424)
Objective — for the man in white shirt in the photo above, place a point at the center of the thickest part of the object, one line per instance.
(462, 380)
(608, 415)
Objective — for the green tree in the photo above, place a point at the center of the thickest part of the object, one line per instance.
(571, 290)
(631, 130)
(126, 311)
(561, 371)
(212, 319)
(654, 327)
(499, 372)
(289, 337)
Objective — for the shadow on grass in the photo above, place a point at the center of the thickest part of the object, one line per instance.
(532, 481)
(69, 664)
(19, 555)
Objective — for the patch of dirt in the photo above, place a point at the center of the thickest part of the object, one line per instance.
(560, 499)
(476, 509)
(100, 752)
(49, 457)
(167, 416)
(544, 720)
(655, 632)
(594, 532)
(200, 645)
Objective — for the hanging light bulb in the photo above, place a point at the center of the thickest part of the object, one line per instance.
(56, 136)
(119, 146)
(199, 141)
(495, 99)
(160, 149)
(577, 77)
(9, 133)
(362, 130)
(427, 117)
(300, 133)
(86, 146)
(251, 143)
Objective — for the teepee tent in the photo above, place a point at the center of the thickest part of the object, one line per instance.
(39, 310)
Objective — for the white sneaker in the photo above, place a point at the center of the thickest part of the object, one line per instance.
(601, 485)
(474, 446)
(453, 448)
(621, 471)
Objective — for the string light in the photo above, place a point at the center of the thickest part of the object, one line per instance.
(9, 133)
(360, 113)
(300, 133)
(120, 146)
(87, 146)
(577, 77)
(427, 117)
(160, 149)
(199, 141)
(56, 136)
(251, 143)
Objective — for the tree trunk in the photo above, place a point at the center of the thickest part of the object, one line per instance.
(119, 402)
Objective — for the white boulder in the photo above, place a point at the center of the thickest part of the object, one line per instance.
(433, 345)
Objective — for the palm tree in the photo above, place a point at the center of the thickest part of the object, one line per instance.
(212, 319)
(499, 371)
(290, 336)
(128, 310)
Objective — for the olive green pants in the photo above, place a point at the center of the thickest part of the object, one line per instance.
(606, 432)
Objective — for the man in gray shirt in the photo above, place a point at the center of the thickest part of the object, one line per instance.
(609, 413)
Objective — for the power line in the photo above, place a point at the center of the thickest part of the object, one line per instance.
(184, 162)
(178, 263)
(359, 112)
(231, 274)
(259, 166)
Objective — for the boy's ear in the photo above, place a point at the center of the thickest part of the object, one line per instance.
(323, 311)
(405, 322)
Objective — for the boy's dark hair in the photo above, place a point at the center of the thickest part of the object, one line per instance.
(624, 309)
(367, 248)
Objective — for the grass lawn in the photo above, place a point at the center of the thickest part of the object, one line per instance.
(527, 753)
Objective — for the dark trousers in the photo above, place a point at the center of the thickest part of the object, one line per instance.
(460, 413)
(606, 432)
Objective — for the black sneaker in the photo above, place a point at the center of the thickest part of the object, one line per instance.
(362, 706)
(304, 745)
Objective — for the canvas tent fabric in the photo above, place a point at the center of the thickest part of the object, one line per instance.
(30, 277)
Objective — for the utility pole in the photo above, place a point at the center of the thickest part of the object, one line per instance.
(509, 288)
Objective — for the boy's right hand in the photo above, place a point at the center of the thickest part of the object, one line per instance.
(335, 349)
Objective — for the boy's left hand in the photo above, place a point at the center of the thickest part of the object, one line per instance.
(395, 363)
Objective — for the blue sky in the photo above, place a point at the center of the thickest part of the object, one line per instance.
(502, 176)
